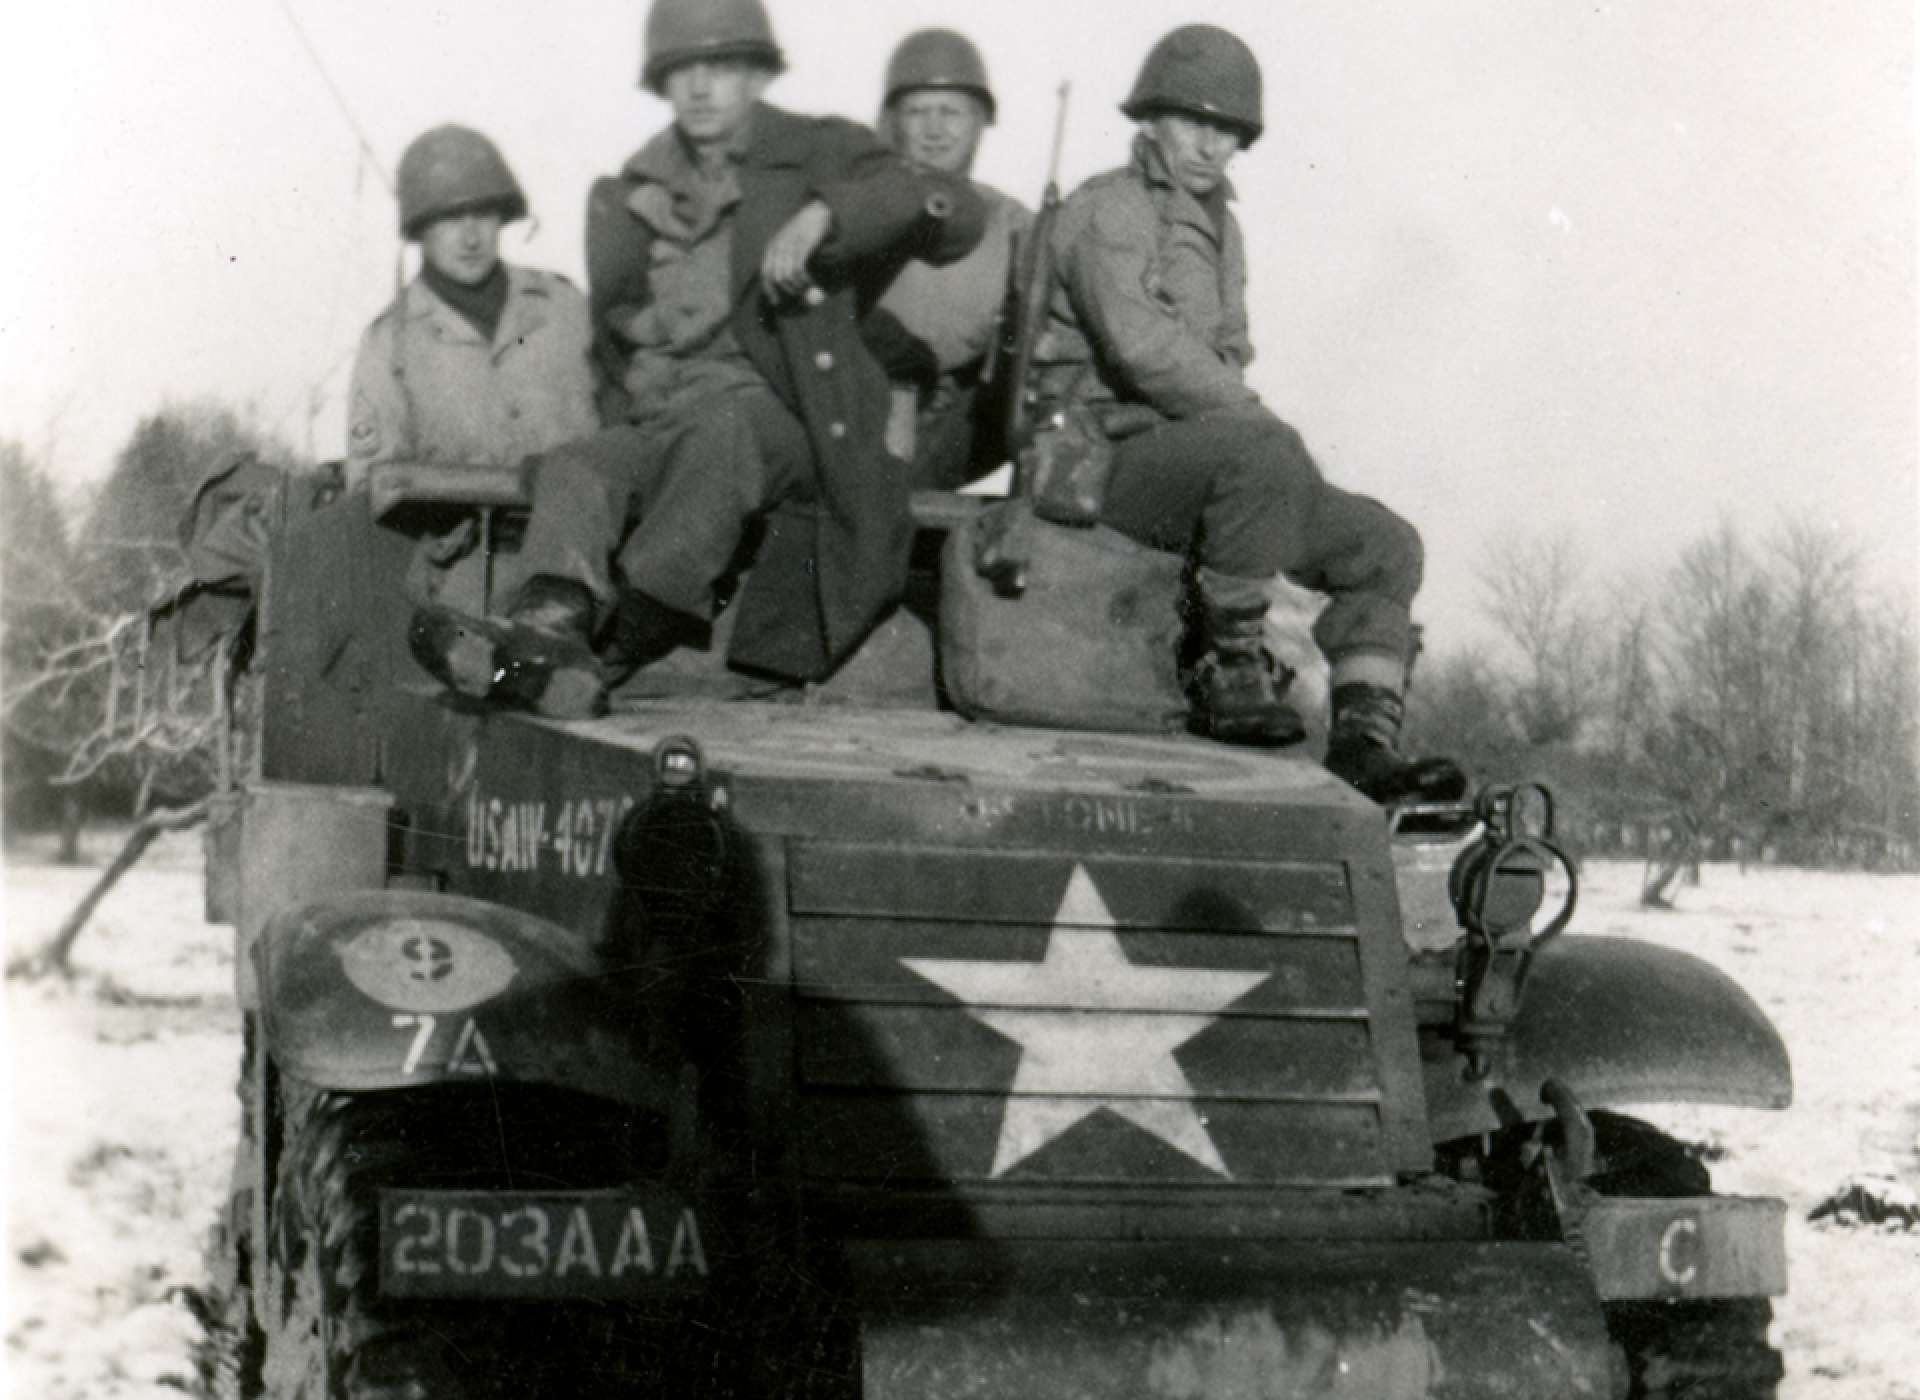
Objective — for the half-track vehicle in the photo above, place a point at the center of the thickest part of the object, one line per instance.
(836, 1044)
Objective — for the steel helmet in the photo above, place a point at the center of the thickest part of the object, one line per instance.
(938, 58)
(1204, 70)
(450, 169)
(679, 31)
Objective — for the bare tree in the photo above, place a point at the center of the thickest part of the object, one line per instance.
(1887, 730)
(1819, 588)
(1753, 702)
(41, 615)
(1531, 592)
(1462, 707)
(1791, 726)
(111, 698)
(156, 705)
(1720, 678)
(1627, 696)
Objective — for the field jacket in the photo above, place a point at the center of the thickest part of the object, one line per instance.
(1148, 298)
(428, 387)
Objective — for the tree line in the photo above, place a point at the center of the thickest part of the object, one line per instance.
(100, 712)
(1756, 701)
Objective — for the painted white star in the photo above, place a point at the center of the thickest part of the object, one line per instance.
(1095, 1031)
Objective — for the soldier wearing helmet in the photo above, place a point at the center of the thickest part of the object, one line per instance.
(475, 361)
(938, 328)
(1147, 334)
(727, 265)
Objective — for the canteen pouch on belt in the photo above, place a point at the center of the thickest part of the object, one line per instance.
(1067, 465)
(1091, 641)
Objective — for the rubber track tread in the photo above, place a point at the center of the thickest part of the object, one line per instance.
(1706, 1349)
(340, 1149)
(767, 1333)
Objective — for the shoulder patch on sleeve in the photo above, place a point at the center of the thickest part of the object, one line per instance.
(545, 282)
(1120, 217)
(363, 425)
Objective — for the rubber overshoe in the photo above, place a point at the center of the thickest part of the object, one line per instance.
(1388, 776)
(642, 631)
(539, 658)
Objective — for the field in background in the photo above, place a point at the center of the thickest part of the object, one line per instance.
(123, 1112)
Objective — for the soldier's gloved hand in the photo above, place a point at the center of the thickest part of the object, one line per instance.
(783, 270)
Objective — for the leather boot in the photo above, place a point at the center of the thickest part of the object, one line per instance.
(540, 657)
(1236, 692)
(1363, 750)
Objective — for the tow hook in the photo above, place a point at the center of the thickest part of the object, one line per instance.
(1498, 885)
(1568, 1159)
(1574, 1151)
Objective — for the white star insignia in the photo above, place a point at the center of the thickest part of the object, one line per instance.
(1095, 1031)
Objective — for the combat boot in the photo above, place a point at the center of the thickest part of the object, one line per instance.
(1236, 691)
(539, 657)
(1363, 750)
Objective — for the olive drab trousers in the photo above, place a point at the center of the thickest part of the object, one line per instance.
(667, 501)
(1240, 491)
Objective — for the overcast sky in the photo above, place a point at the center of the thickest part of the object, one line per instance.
(1615, 268)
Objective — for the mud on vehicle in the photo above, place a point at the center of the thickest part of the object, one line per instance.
(836, 1044)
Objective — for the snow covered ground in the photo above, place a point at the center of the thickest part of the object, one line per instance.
(1835, 961)
(123, 1113)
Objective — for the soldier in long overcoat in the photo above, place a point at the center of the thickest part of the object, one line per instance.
(729, 265)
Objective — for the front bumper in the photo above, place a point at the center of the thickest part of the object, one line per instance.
(1686, 1247)
(1077, 1321)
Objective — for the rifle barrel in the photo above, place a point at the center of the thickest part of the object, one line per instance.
(1031, 300)
(1059, 139)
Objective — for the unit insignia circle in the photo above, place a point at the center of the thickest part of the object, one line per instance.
(426, 965)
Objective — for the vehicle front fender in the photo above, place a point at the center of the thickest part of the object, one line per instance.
(1619, 1022)
(389, 989)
